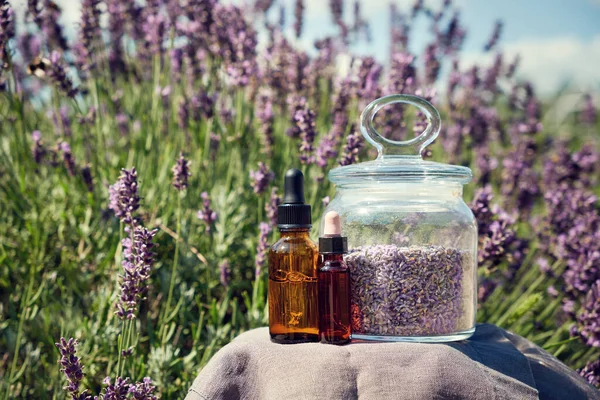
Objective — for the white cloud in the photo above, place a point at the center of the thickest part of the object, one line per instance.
(550, 63)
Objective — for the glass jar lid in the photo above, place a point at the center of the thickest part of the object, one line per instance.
(400, 161)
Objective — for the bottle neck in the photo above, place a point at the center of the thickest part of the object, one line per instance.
(294, 232)
(332, 257)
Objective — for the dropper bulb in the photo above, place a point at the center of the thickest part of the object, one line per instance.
(294, 187)
(332, 225)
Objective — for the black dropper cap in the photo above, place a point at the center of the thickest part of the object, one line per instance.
(293, 213)
(333, 245)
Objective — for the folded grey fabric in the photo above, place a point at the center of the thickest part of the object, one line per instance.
(493, 364)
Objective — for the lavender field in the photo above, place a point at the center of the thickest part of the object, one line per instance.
(141, 165)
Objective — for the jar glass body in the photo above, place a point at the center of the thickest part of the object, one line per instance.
(412, 255)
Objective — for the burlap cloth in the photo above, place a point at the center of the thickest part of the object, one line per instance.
(493, 364)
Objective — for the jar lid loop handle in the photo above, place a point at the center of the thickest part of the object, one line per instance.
(407, 148)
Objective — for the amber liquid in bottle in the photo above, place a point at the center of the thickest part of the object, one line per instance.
(334, 299)
(293, 288)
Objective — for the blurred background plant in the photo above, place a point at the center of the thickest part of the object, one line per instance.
(152, 268)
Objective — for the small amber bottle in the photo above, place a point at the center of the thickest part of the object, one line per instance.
(293, 286)
(334, 284)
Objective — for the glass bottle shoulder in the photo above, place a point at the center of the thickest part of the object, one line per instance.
(294, 244)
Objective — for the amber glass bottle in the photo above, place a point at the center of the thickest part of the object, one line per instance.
(334, 283)
(334, 299)
(293, 286)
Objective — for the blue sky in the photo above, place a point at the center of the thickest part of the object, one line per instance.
(559, 40)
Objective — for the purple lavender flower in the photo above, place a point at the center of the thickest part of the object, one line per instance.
(181, 172)
(298, 16)
(32, 14)
(420, 123)
(261, 178)
(570, 233)
(29, 45)
(68, 159)
(486, 164)
(519, 179)
(122, 389)
(304, 118)
(263, 5)
(328, 146)
(7, 30)
(399, 30)
(452, 139)
(490, 81)
(143, 390)
(262, 248)
(454, 79)
(591, 373)
(512, 67)
(38, 149)
(337, 11)
(295, 104)
(71, 367)
(234, 41)
(264, 113)
(137, 265)
(202, 106)
(214, 142)
(122, 121)
(48, 21)
(58, 75)
(155, 28)
(240, 73)
(452, 38)
(588, 320)
(271, 207)
(326, 150)
(86, 175)
(65, 121)
(402, 76)
(368, 80)
(352, 148)
(432, 64)
(589, 114)
(300, 72)
(89, 35)
(401, 79)
(497, 239)
(544, 266)
(485, 289)
(207, 215)
(281, 19)
(176, 57)
(124, 198)
(117, 21)
(493, 40)
(183, 116)
(224, 272)
(578, 169)
(117, 390)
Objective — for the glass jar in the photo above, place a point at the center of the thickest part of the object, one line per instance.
(412, 240)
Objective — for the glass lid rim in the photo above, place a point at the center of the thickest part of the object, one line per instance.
(401, 171)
